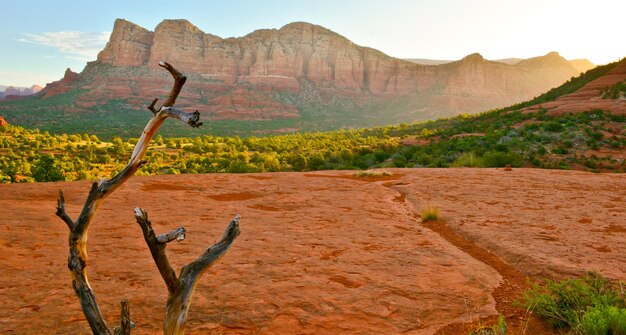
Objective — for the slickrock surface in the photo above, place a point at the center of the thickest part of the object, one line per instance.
(320, 253)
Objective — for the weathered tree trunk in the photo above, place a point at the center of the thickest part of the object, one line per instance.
(180, 289)
(78, 260)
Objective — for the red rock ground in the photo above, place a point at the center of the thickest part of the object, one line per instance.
(319, 253)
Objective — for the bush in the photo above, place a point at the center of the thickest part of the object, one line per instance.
(553, 126)
(399, 161)
(47, 169)
(589, 305)
(467, 159)
(603, 320)
(501, 159)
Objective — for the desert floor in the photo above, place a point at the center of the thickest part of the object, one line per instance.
(319, 253)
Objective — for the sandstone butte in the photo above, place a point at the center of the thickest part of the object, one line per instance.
(320, 253)
(240, 78)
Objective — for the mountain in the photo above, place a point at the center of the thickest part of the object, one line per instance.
(424, 61)
(301, 77)
(581, 65)
(510, 61)
(12, 92)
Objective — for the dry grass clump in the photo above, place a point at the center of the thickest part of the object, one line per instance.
(497, 329)
(430, 212)
(373, 174)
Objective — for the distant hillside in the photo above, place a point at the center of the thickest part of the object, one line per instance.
(510, 61)
(581, 65)
(9, 92)
(560, 136)
(425, 61)
(301, 77)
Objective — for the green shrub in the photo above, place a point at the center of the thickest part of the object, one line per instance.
(604, 320)
(553, 126)
(47, 169)
(615, 92)
(399, 161)
(559, 151)
(501, 159)
(467, 159)
(586, 305)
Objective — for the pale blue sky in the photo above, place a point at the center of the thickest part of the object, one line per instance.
(41, 39)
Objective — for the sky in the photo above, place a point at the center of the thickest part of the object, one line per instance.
(40, 39)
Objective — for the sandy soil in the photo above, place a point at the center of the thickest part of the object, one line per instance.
(319, 253)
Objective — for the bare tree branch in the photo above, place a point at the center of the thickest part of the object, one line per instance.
(212, 254)
(181, 289)
(189, 118)
(61, 211)
(177, 234)
(125, 323)
(151, 106)
(179, 81)
(157, 249)
(78, 260)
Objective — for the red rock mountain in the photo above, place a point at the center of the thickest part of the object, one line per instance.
(60, 86)
(591, 96)
(301, 72)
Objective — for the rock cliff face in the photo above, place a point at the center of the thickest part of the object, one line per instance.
(300, 68)
(129, 45)
(297, 51)
(60, 86)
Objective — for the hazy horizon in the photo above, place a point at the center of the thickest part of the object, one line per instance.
(42, 39)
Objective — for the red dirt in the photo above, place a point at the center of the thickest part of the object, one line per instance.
(317, 255)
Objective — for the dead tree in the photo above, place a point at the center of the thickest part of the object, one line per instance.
(180, 287)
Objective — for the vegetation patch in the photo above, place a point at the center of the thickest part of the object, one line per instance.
(617, 91)
(587, 305)
(429, 213)
(497, 329)
(373, 174)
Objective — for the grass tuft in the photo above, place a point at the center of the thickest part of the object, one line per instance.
(430, 213)
(373, 174)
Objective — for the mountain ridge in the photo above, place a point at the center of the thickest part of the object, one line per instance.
(15, 92)
(581, 65)
(300, 77)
